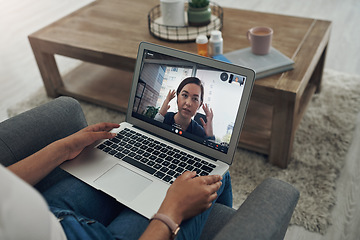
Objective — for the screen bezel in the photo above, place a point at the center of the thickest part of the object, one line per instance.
(223, 66)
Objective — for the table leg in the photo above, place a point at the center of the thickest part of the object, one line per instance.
(48, 69)
(318, 72)
(282, 129)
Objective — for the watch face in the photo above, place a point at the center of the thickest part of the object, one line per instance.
(175, 233)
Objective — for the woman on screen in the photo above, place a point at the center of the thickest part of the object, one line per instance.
(190, 96)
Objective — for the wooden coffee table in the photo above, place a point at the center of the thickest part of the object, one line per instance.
(106, 34)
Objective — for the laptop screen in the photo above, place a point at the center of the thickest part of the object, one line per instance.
(188, 99)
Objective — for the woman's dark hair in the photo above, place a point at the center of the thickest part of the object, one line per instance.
(194, 80)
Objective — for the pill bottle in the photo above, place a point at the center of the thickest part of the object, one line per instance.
(215, 43)
(202, 45)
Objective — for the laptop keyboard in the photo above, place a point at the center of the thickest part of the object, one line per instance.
(154, 157)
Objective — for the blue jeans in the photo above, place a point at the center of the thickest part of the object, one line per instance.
(87, 213)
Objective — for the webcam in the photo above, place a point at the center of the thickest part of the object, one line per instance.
(224, 76)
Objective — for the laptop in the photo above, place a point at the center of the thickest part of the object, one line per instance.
(147, 155)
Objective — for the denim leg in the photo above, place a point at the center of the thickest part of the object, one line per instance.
(226, 196)
(75, 195)
(191, 229)
(77, 227)
(128, 225)
(71, 194)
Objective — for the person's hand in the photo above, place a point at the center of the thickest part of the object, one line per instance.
(76, 142)
(209, 116)
(165, 106)
(189, 196)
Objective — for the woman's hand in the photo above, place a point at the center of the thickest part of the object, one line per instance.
(76, 142)
(208, 125)
(189, 196)
(165, 106)
(186, 197)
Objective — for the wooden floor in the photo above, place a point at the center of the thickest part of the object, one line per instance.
(19, 75)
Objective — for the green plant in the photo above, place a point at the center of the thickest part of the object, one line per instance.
(151, 111)
(198, 3)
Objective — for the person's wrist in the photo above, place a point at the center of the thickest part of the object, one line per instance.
(168, 221)
(63, 149)
(162, 113)
(172, 214)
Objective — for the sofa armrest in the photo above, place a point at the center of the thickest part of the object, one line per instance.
(219, 216)
(28, 132)
(265, 214)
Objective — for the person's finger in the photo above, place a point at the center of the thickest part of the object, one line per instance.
(101, 135)
(202, 122)
(104, 126)
(187, 175)
(214, 187)
(205, 108)
(213, 196)
(109, 126)
(171, 94)
(211, 179)
(211, 112)
(208, 206)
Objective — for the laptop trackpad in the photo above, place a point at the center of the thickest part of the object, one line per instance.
(121, 182)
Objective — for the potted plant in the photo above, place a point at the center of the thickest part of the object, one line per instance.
(151, 111)
(199, 12)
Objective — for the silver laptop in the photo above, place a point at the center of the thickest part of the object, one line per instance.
(147, 155)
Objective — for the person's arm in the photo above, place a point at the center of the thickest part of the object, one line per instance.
(35, 167)
(187, 197)
(165, 106)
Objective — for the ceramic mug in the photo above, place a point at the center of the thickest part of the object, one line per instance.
(260, 39)
(173, 13)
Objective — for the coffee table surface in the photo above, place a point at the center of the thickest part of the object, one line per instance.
(103, 26)
(108, 32)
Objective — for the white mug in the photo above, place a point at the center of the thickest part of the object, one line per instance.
(173, 13)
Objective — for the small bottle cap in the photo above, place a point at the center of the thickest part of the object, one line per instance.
(201, 39)
(216, 34)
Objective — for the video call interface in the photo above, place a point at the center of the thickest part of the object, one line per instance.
(209, 122)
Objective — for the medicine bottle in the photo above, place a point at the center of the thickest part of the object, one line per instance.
(202, 45)
(215, 43)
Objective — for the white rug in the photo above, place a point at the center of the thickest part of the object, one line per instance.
(321, 144)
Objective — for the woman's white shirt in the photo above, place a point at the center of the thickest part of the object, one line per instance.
(159, 117)
(24, 213)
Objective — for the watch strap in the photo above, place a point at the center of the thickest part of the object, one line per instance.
(174, 228)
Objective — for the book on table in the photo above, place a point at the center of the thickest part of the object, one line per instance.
(264, 65)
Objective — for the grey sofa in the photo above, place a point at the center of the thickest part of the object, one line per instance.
(264, 215)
